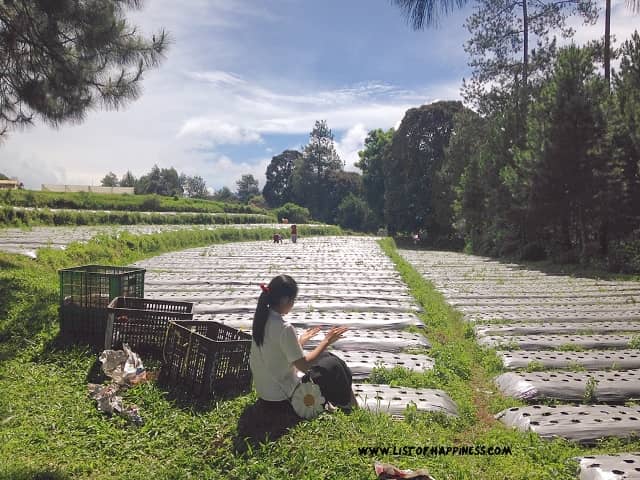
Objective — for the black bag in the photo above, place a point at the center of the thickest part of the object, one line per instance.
(334, 378)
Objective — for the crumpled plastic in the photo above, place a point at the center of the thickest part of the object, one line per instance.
(125, 368)
(386, 471)
(110, 402)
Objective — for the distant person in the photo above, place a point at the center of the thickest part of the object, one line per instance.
(285, 220)
(277, 238)
(294, 233)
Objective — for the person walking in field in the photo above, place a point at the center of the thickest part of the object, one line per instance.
(294, 233)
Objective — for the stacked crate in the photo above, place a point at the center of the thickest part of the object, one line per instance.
(85, 294)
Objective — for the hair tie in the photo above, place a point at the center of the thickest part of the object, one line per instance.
(264, 288)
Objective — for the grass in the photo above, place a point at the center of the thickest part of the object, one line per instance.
(131, 203)
(50, 429)
(10, 217)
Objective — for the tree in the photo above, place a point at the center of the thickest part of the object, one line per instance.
(562, 167)
(624, 140)
(278, 189)
(3, 177)
(421, 13)
(247, 187)
(60, 59)
(294, 213)
(417, 154)
(377, 147)
(164, 181)
(354, 213)
(634, 6)
(340, 184)
(500, 54)
(310, 177)
(224, 195)
(128, 180)
(109, 180)
(195, 187)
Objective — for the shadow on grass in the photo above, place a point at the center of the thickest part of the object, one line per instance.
(33, 474)
(261, 422)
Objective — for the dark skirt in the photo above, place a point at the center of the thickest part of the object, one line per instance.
(334, 378)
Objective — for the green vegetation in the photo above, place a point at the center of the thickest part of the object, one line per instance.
(100, 65)
(50, 429)
(131, 203)
(292, 212)
(590, 395)
(31, 218)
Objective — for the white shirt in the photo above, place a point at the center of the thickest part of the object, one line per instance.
(271, 364)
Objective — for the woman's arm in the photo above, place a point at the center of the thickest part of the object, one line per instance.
(308, 335)
(303, 364)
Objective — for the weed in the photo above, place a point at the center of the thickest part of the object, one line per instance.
(590, 391)
(535, 366)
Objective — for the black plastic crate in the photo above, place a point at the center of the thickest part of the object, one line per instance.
(142, 323)
(85, 293)
(204, 360)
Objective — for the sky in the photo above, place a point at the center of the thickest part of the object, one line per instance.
(244, 80)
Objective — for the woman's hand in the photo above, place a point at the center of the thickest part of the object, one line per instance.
(334, 335)
(308, 335)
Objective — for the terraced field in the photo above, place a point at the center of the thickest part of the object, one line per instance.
(27, 241)
(571, 346)
(342, 281)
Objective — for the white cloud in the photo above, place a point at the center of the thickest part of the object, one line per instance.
(349, 145)
(219, 132)
(201, 99)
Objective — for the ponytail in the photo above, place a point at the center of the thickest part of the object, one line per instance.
(260, 318)
(280, 287)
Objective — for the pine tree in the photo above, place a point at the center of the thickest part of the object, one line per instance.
(59, 59)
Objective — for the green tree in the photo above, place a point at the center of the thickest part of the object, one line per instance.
(128, 180)
(377, 147)
(170, 184)
(421, 13)
(278, 189)
(3, 177)
(502, 58)
(109, 180)
(164, 181)
(61, 58)
(247, 187)
(340, 184)
(624, 141)
(562, 166)
(354, 213)
(294, 213)
(196, 187)
(634, 6)
(224, 195)
(417, 154)
(311, 175)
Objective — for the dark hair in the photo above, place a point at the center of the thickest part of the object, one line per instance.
(280, 287)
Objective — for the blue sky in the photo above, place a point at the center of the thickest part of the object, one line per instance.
(246, 79)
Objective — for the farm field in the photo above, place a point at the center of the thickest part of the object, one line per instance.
(570, 346)
(421, 377)
(27, 241)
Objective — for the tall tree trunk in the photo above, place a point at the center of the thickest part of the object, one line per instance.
(607, 43)
(524, 89)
